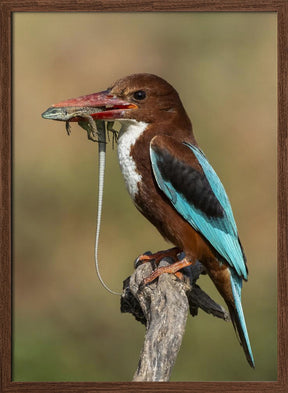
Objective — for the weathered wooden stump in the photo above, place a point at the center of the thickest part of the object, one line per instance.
(163, 307)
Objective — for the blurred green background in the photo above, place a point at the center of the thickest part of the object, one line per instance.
(66, 326)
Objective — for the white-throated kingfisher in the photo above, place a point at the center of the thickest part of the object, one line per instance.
(173, 185)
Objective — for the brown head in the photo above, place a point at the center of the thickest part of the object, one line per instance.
(156, 99)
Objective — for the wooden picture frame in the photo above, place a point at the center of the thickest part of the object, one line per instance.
(8, 7)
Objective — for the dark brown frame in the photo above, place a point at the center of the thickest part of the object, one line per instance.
(7, 8)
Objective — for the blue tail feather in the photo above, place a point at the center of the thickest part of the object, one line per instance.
(237, 316)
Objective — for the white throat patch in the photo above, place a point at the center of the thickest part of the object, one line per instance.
(128, 134)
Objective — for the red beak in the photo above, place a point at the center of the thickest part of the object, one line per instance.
(111, 107)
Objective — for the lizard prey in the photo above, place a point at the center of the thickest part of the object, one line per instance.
(96, 132)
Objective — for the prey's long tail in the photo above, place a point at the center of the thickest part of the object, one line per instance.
(237, 317)
(100, 135)
(102, 151)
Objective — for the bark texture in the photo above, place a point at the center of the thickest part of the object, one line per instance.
(163, 307)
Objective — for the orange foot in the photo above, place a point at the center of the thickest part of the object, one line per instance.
(173, 268)
(158, 256)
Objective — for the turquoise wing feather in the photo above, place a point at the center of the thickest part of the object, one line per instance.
(197, 193)
(220, 231)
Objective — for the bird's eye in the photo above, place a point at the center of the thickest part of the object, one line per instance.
(139, 95)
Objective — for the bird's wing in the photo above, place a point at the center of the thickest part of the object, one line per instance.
(184, 174)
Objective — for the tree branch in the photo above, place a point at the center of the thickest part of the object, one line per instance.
(163, 307)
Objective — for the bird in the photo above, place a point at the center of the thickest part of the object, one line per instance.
(173, 185)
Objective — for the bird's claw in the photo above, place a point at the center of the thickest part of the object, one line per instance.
(172, 268)
(138, 261)
(157, 256)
